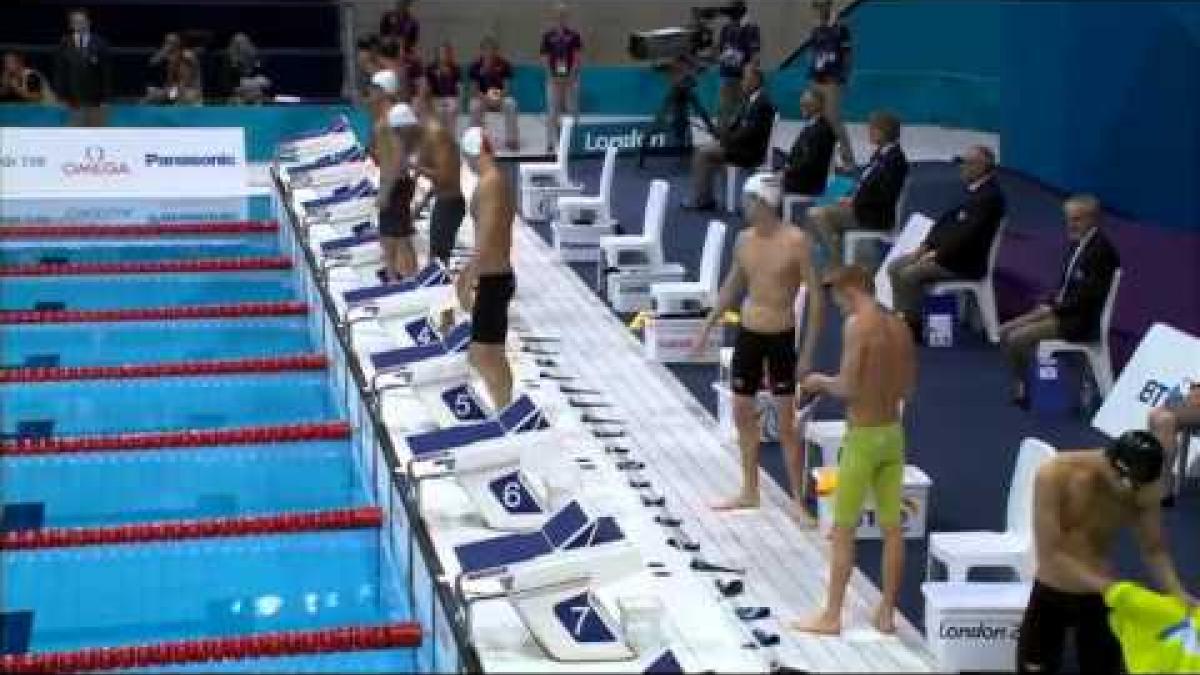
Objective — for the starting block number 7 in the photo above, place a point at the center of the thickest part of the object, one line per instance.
(582, 620)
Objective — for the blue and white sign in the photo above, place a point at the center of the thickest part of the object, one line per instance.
(512, 494)
(579, 616)
(421, 332)
(463, 404)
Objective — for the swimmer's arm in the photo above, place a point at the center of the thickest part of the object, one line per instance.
(1150, 538)
(1048, 534)
(465, 284)
(814, 310)
(845, 384)
(731, 290)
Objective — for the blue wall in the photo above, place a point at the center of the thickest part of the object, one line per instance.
(1105, 97)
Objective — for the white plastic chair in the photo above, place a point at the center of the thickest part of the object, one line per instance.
(853, 237)
(984, 289)
(1097, 352)
(733, 173)
(649, 243)
(551, 174)
(671, 297)
(572, 207)
(1012, 548)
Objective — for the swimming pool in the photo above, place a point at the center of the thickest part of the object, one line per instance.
(105, 291)
(58, 491)
(165, 404)
(150, 341)
(71, 598)
(28, 252)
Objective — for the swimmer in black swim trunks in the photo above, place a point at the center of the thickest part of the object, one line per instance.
(397, 183)
(440, 161)
(490, 269)
(771, 263)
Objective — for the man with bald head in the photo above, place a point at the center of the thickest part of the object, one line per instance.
(1072, 311)
(957, 246)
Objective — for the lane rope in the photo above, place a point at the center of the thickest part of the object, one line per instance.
(70, 231)
(178, 530)
(273, 364)
(406, 634)
(227, 311)
(148, 266)
(157, 440)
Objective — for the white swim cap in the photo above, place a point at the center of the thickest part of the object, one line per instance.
(386, 80)
(473, 142)
(764, 186)
(401, 115)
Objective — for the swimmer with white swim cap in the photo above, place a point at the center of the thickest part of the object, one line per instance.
(397, 185)
(772, 261)
(486, 285)
(878, 373)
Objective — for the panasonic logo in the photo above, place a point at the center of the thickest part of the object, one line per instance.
(190, 160)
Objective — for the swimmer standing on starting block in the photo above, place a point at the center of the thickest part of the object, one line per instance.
(489, 272)
(440, 161)
(397, 183)
(771, 262)
(878, 372)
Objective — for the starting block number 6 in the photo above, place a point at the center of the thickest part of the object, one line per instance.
(513, 495)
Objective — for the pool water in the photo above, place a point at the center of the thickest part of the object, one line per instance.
(151, 341)
(58, 491)
(105, 291)
(32, 252)
(168, 404)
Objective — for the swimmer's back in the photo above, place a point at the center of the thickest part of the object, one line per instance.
(495, 212)
(887, 369)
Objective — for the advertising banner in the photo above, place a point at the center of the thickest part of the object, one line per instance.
(1163, 368)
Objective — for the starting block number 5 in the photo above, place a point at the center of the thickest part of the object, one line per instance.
(513, 495)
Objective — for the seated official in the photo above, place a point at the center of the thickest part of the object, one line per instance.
(958, 245)
(744, 143)
(491, 74)
(1073, 312)
(1166, 422)
(807, 170)
(872, 205)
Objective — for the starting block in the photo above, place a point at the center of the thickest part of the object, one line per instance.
(914, 504)
(578, 239)
(507, 497)
(539, 200)
(628, 288)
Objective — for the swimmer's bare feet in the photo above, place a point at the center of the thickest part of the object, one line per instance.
(742, 501)
(885, 620)
(821, 624)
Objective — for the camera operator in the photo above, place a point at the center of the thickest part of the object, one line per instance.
(737, 46)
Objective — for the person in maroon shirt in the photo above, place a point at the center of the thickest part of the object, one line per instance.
(401, 24)
(490, 75)
(561, 47)
(443, 81)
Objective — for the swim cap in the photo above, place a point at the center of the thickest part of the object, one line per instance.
(386, 80)
(1137, 456)
(401, 115)
(765, 186)
(474, 142)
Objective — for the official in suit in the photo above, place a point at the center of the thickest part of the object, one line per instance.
(82, 72)
(807, 169)
(744, 143)
(872, 206)
(1073, 312)
(957, 246)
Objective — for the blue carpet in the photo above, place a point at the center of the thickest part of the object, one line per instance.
(963, 433)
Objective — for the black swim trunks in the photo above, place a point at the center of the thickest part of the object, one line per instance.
(448, 212)
(752, 351)
(1051, 613)
(489, 317)
(395, 218)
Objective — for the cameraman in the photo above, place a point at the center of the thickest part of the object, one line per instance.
(737, 46)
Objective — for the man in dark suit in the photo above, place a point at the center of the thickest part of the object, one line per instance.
(807, 169)
(82, 74)
(744, 143)
(872, 206)
(957, 246)
(1073, 312)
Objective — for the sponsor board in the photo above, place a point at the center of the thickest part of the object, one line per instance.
(1163, 368)
(595, 139)
(121, 211)
(123, 161)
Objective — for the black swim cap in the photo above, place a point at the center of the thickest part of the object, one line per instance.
(1138, 456)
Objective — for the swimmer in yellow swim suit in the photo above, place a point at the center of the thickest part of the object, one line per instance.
(878, 372)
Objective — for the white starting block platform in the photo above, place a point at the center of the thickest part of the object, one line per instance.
(672, 339)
